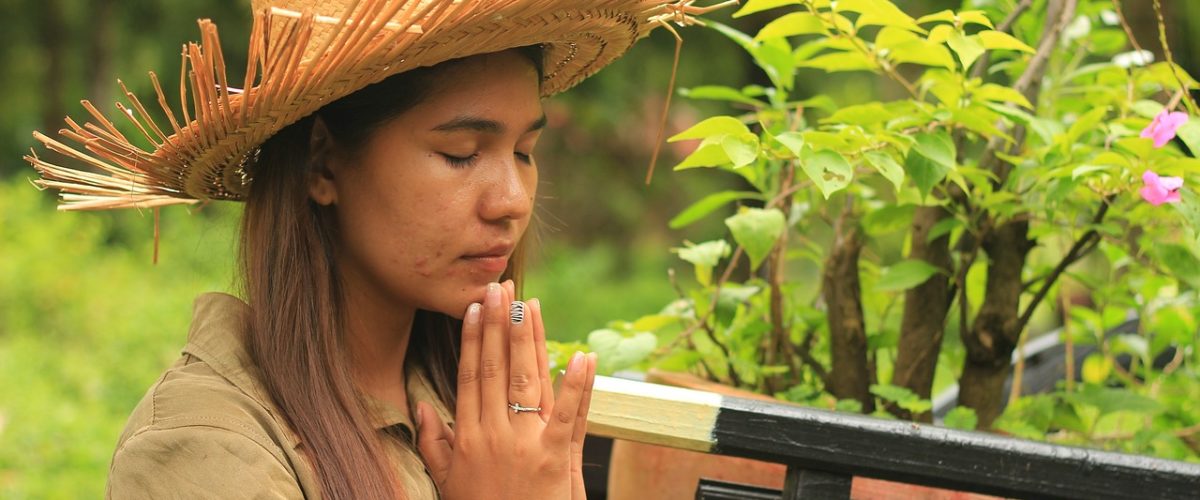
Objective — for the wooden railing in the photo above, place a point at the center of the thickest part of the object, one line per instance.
(824, 450)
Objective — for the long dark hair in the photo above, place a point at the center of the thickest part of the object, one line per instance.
(296, 336)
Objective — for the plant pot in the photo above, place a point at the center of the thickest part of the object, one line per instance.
(639, 471)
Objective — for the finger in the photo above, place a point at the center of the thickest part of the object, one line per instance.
(467, 408)
(435, 442)
(585, 402)
(510, 288)
(524, 385)
(539, 347)
(561, 427)
(578, 491)
(494, 358)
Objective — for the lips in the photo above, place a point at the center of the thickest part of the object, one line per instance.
(492, 260)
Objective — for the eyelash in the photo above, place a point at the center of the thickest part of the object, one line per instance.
(464, 162)
(461, 162)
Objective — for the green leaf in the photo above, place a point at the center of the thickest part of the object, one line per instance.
(903, 397)
(1189, 133)
(1113, 400)
(1189, 208)
(998, 40)
(943, 227)
(887, 167)
(721, 93)
(742, 149)
(888, 218)
(839, 61)
(879, 13)
(962, 418)
(709, 154)
(618, 352)
(1086, 123)
(1180, 261)
(754, 6)
(774, 56)
(968, 48)
(996, 93)
(757, 230)
(945, 16)
(717, 125)
(938, 147)
(742, 39)
(828, 169)
(975, 17)
(941, 33)
(848, 405)
(704, 257)
(861, 114)
(796, 23)
(924, 172)
(793, 141)
(905, 275)
(708, 204)
(930, 160)
(922, 52)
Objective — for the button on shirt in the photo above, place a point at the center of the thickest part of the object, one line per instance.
(208, 429)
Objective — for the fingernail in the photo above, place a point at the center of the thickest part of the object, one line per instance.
(535, 304)
(516, 312)
(493, 294)
(573, 367)
(418, 417)
(473, 313)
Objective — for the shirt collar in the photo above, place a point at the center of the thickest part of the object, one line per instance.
(217, 336)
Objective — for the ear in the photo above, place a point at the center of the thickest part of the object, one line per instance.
(321, 186)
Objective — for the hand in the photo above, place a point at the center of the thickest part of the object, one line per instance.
(493, 452)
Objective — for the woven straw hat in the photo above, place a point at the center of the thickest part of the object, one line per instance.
(302, 55)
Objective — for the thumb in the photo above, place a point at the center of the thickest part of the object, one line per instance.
(435, 441)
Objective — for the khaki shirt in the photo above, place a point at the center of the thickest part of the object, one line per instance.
(207, 429)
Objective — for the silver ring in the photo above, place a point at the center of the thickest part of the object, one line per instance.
(517, 408)
(516, 312)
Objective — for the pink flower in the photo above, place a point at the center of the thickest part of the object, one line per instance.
(1163, 128)
(1159, 190)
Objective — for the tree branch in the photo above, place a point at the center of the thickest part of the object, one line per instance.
(1005, 26)
(1082, 247)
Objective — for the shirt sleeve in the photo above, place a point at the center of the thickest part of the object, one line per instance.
(198, 462)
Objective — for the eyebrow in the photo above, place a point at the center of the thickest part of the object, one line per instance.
(477, 124)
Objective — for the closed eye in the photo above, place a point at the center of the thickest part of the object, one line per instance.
(460, 161)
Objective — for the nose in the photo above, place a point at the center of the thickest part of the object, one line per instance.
(509, 194)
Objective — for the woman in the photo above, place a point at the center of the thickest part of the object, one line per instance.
(379, 219)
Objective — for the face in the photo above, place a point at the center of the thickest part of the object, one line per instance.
(430, 210)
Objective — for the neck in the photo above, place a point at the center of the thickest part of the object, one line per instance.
(377, 335)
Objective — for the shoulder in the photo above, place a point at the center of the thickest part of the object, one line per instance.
(195, 431)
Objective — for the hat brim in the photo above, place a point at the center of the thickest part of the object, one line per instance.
(300, 61)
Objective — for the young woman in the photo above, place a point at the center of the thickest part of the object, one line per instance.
(384, 149)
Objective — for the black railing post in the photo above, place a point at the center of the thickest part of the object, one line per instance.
(811, 484)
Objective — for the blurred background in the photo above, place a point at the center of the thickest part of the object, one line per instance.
(87, 322)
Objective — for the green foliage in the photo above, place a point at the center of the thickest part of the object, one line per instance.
(86, 324)
(817, 171)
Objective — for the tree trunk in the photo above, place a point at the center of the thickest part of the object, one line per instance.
(996, 329)
(925, 308)
(849, 377)
(100, 49)
(54, 39)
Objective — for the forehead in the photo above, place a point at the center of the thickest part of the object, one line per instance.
(501, 86)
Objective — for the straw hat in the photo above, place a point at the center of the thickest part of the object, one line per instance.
(302, 55)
